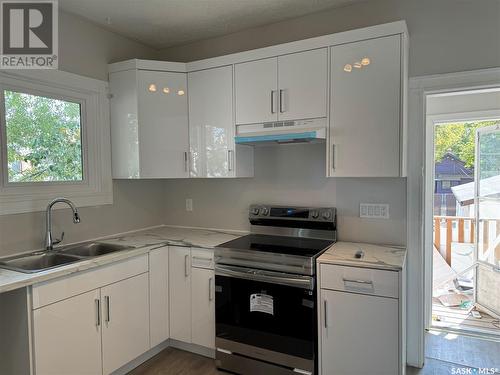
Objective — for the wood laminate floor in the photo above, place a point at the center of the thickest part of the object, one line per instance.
(445, 354)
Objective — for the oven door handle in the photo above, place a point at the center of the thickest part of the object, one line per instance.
(297, 281)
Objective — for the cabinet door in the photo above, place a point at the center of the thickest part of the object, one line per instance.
(365, 109)
(303, 85)
(158, 295)
(203, 307)
(163, 124)
(179, 273)
(211, 127)
(359, 334)
(67, 336)
(125, 332)
(256, 84)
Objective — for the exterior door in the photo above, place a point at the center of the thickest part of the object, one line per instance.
(163, 124)
(487, 205)
(303, 85)
(67, 336)
(211, 129)
(125, 316)
(256, 91)
(179, 273)
(203, 305)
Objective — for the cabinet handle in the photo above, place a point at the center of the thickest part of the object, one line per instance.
(281, 102)
(325, 303)
(98, 312)
(186, 159)
(229, 160)
(272, 101)
(186, 270)
(333, 157)
(210, 295)
(365, 282)
(108, 316)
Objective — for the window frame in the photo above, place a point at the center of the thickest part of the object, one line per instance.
(96, 186)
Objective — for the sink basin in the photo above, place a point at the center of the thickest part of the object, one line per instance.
(44, 260)
(93, 249)
(37, 262)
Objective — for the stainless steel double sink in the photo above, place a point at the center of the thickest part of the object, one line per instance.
(45, 260)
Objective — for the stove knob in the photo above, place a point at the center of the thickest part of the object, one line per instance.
(314, 214)
(326, 215)
(255, 211)
(264, 211)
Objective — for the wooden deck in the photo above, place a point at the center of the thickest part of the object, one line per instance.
(454, 317)
(459, 319)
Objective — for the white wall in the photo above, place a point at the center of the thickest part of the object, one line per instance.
(86, 49)
(291, 175)
(445, 35)
(472, 101)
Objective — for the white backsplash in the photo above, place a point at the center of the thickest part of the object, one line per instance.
(291, 175)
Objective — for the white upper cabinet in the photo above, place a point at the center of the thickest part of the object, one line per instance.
(149, 124)
(366, 110)
(256, 91)
(289, 87)
(303, 85)
(213, 152)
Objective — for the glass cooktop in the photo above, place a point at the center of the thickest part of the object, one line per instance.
(306, 247)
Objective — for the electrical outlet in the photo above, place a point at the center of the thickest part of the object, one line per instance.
(374, 210)
(189, 204)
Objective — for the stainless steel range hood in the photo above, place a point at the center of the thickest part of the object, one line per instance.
(282, 132)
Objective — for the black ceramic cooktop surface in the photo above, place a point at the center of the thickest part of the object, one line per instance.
(307, 247)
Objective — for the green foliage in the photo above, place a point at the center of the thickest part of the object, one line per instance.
(459, 139)
(44, 136)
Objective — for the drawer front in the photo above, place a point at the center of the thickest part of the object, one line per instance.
(55, 290)
(360, 280)
(202, 258)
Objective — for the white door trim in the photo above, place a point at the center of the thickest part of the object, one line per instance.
(418, 273)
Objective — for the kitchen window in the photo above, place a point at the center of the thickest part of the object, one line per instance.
(43, 138)
(54, 137)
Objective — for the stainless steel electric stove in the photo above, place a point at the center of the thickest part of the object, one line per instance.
(265, 300)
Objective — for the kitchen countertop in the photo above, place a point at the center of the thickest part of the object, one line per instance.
(375, 256)
(141, 241)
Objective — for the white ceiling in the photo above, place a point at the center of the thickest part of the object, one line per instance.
(165, 23)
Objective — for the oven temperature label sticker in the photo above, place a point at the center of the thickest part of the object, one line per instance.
(262, 303)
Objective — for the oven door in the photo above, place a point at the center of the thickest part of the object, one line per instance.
(266, 315)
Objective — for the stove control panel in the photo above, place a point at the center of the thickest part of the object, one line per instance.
(260, 211)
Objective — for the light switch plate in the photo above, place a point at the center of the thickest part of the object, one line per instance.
(374, 210)
(189, 204)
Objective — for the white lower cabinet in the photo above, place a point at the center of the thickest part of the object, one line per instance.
(359, 334)
(192, 296)
(92, 332)
(158, 296)
(133, 306)
(203, 307)
(67, 336)
(125, 332)
(179, 273)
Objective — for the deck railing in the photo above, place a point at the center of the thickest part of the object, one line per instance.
(459, 232)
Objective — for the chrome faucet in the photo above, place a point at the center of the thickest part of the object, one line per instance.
(49, 242)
